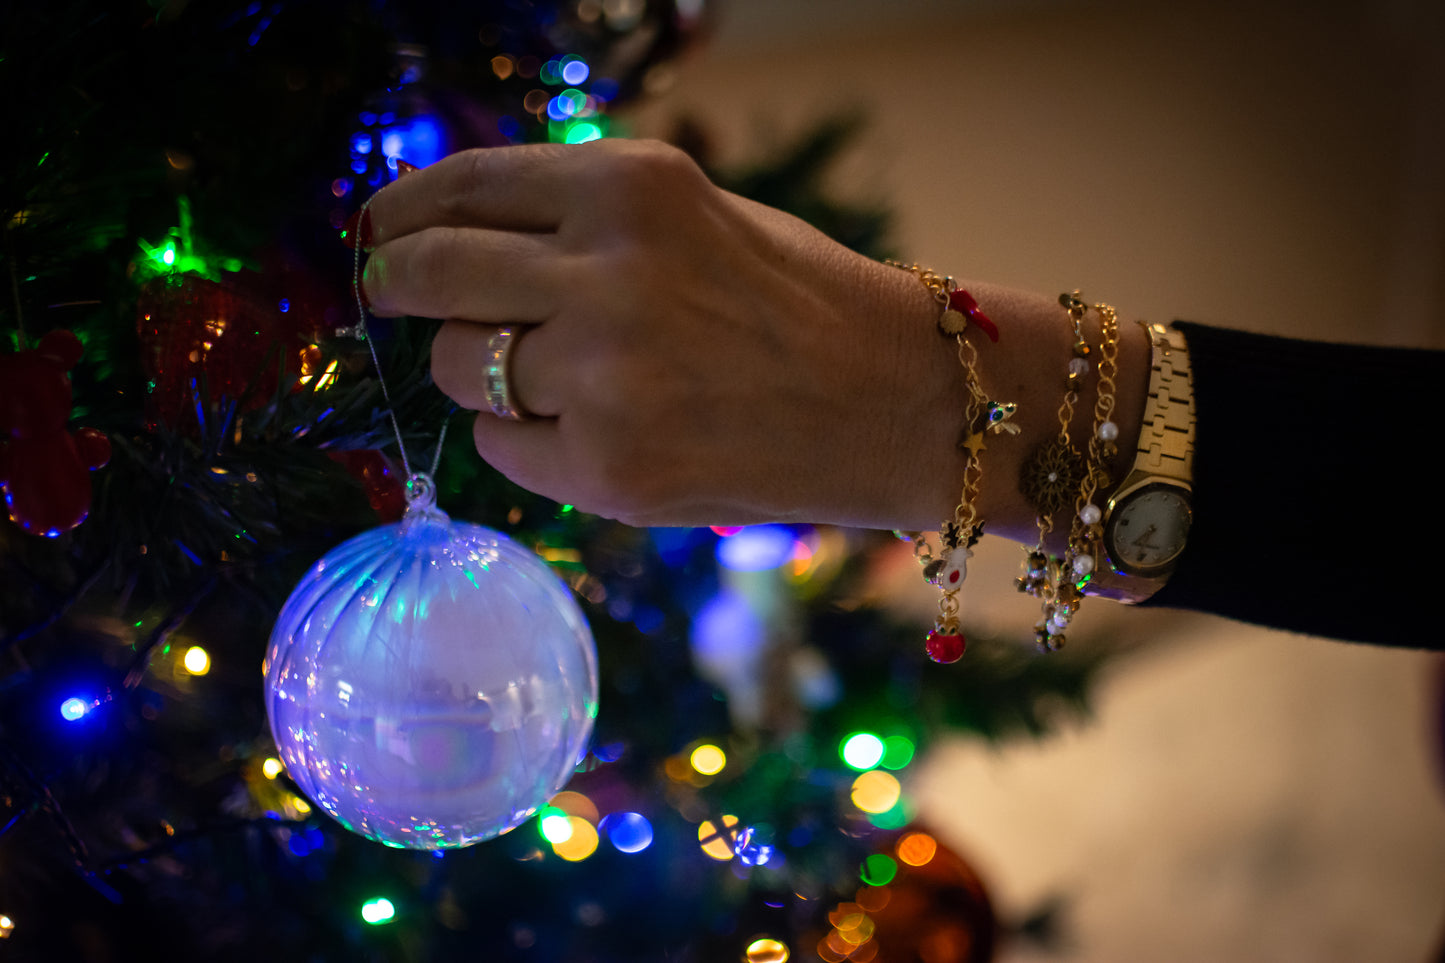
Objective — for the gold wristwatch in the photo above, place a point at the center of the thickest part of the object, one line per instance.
(1146, 519)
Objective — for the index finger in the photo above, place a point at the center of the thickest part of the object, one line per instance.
(520, 188)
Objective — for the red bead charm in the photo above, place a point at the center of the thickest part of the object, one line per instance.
(945, 647)
(963, 302)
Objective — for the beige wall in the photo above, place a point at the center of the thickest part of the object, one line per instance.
(1276, 171)
(1241, 795)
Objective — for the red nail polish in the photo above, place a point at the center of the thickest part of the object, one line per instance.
(357, 229)
(403, 168)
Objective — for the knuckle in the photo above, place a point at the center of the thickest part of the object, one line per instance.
(456, 200)
(430, 272)
(647, 166)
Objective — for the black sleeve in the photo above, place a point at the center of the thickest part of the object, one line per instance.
(1318, 495)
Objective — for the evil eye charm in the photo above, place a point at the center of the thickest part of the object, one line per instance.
(997, 415)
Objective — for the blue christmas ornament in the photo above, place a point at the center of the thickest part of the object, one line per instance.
(431, 684)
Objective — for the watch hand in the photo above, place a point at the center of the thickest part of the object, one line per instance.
(1143, 540)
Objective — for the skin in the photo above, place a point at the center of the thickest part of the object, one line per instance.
(694, 358)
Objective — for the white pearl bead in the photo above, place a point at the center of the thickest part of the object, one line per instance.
(1079, 367)
(1059, 623)
(1090, 514)
(1108, 431)
(1083, 565)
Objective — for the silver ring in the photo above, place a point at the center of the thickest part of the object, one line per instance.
(496, 383)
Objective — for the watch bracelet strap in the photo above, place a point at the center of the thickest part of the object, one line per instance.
(1166, 436)
(1165, 448)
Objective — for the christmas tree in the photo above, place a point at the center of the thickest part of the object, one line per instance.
(180, 312)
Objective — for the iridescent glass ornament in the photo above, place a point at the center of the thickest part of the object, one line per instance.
(431, 684)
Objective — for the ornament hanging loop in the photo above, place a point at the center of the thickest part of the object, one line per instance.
(421, 492)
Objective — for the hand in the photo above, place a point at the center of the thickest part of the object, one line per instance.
(691, 357)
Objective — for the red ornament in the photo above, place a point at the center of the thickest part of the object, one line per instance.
(44, 469)
(385, 486)
(945, 647)
(204, 342)
(936, 910)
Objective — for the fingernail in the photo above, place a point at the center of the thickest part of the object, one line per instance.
(357, 229)
(403, 168)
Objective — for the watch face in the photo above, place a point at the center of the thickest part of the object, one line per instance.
(1147, 530)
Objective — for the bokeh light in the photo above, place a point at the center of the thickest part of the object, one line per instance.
(708, 760)
(581, 133)
(197, 660)
(420, 141)
(574, 70)
(751, 849)
(767, 951)
(916, 849)
(575, 804)
(272, 767)
(878, 870)
(895, 817)
(873, 898)
(580, 844)
(862, 750)
(554, 825)
(378, 910)
(718, 840)
(628, 832)
(756, 548)
(74, 709)
(876, 791)
(727, 631)
(897, 752)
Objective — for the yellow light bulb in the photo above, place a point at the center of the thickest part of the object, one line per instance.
(876, 791)
(717, 841)
(708, 760)
(581, 844)
(767, 951)
(197, 661)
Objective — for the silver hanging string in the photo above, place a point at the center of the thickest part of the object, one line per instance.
(362, 333)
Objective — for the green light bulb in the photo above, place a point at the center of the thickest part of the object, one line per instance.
(862, 750)
(378, 910)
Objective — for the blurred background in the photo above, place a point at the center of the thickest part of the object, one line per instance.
(1240, 794)
(770, 736)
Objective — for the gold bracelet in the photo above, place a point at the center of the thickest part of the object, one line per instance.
(1075, 569)
(947, 567)
(1055, 469)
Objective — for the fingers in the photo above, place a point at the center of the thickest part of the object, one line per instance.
(544, 457)
(475, 274)
(522, 188)
(527, 452)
